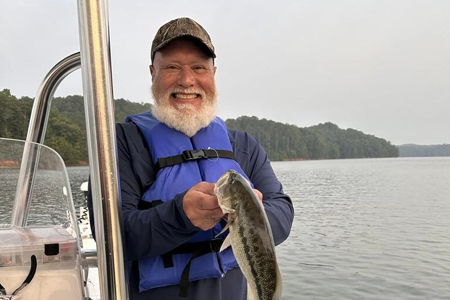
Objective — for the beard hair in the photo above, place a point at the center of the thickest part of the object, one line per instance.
(184, 117)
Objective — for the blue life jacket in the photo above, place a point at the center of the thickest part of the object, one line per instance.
(170, 181)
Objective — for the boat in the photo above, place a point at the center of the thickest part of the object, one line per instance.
(54, 257)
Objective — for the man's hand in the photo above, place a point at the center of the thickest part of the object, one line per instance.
(201, 206)
(259, 194)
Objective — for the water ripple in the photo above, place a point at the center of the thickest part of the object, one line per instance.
(381, 224)
(363, 229)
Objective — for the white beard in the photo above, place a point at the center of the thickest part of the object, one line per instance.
(184, 118)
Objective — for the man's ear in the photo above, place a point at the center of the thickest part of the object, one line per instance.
(152, 72)
(215, 69)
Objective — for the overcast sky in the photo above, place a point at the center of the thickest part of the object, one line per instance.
(379, 66)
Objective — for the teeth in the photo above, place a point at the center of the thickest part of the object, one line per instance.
(185, 96)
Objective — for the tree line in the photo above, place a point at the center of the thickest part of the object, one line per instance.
(66, 132)
(323, 141)
(412, 150)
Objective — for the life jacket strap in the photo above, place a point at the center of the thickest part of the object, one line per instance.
(189, 155)
(197, 249)
(143, 205)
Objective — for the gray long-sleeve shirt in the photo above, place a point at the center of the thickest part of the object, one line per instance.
(160, 229)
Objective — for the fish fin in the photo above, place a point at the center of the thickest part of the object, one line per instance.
(277, 294)
(226, 243)
(250, 295)
(223, 230)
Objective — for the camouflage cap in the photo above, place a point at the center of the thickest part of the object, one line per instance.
(179, 28)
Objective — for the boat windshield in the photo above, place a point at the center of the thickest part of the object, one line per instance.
(51, 199)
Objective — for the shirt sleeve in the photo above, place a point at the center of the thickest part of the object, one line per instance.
(153, 231)
(255, 163)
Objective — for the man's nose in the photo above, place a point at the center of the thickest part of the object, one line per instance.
(186, 77)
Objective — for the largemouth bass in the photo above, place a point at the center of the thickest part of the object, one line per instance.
(250, 236)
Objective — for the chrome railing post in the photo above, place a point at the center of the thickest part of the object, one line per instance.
(99, 105)
(36, 134)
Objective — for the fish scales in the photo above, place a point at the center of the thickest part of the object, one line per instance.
(251, 236)
(259, 259)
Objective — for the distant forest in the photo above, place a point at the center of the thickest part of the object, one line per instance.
(412, 150)
(323, 141)
(66, 132)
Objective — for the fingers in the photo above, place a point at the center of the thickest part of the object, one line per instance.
(201, 206)
(259, 194)
(212, 214)
(205, 188)
(205, 202)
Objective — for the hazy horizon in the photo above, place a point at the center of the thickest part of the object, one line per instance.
(381, 67)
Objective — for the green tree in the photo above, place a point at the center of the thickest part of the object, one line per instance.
(66, 132)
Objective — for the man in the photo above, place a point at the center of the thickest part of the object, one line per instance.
(169, 160)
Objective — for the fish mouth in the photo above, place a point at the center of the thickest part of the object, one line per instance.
(225, 180)
(232, 177)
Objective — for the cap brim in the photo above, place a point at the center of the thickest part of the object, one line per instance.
(211, 52)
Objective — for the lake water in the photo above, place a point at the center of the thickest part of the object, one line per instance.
(367, 229)
(363, 229)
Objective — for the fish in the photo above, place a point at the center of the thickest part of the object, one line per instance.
(250, 236)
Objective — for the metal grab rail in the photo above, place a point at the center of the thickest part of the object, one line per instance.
(99, 107)
(36, 133)
(99, 111)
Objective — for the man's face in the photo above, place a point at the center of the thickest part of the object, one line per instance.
(183, 75)
(183, 87)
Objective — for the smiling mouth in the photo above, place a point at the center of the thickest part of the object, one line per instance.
(185, 96)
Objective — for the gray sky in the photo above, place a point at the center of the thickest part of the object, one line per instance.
(379, 66)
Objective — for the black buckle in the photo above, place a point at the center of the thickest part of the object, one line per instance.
(194, 154)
